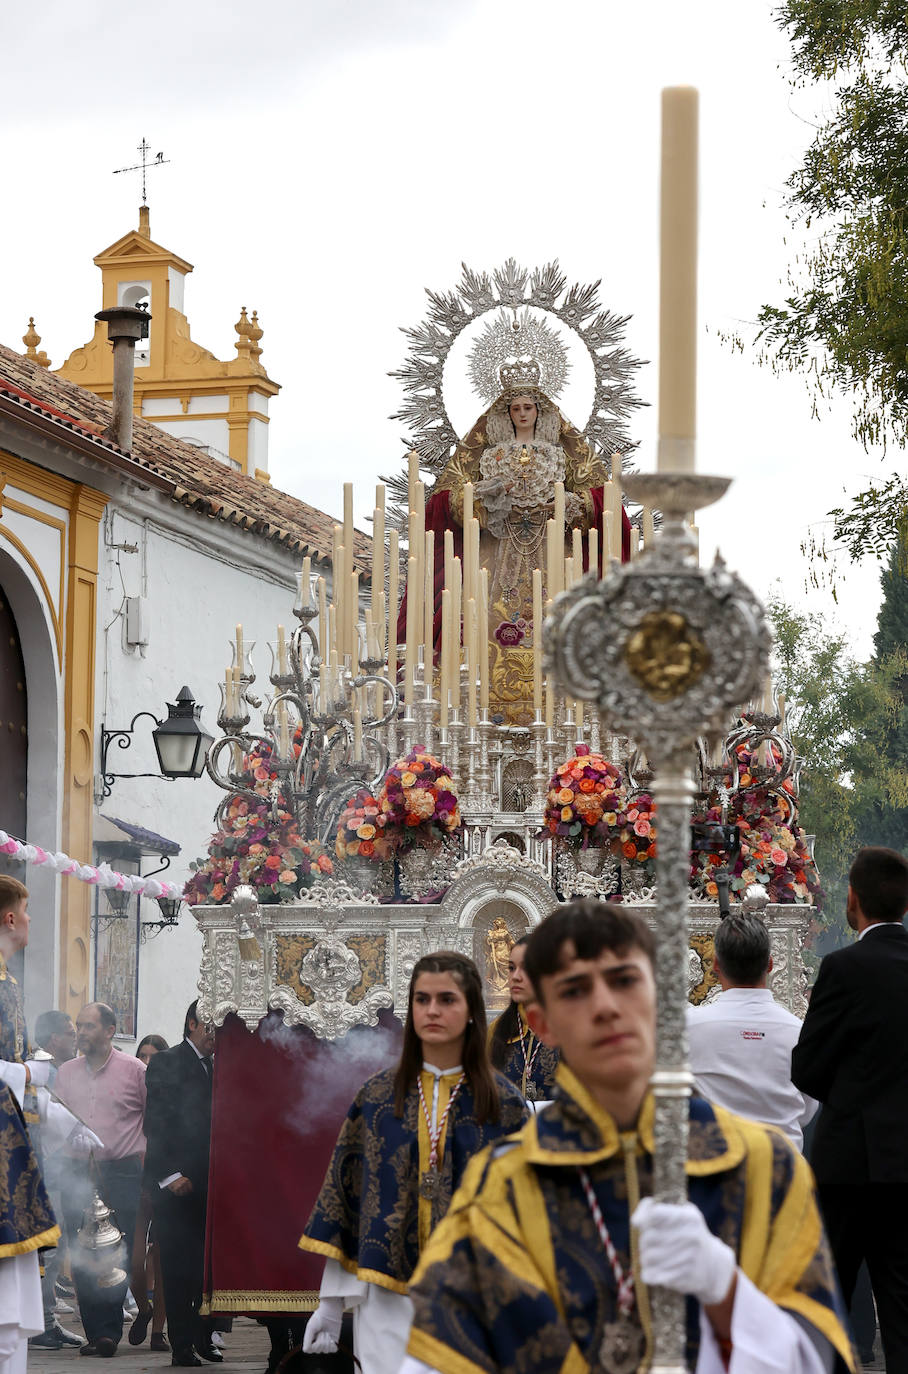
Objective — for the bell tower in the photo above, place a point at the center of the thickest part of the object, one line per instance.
(220, 406)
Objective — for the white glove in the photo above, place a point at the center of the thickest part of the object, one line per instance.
(324, 1327)
(82, 1141)
(678, 1250)
(39, 1071)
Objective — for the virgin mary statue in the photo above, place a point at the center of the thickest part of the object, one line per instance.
(513, 455)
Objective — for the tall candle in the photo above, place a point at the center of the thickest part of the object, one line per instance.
(678, 282)
(607, 551)
(554, 544)
(353, 613)
(305, 587)
(594, 550)
(322, 617)
(558, 513)
(228, 692)
(332, 631)
(410, 647)
(348, 539)
(471, 660)
(283, 730)
(429, 603)
(568, 573)
(468, 589)
(444, 675)
(474, 555)
(393, 581)
(456, 633)
(378, 549)
(381, 627)
(649, 530)
(281, 650)
(340, 600)
(449, 558)
(577, 551)
(412, 478)
(616, 469)
(482, 638)
(239, 648)
(537, 641)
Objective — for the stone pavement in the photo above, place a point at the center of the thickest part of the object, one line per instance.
(246, 1348)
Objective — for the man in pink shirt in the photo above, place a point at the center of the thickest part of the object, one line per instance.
(106, 1090)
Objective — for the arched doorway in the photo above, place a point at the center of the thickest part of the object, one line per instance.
(13, 743)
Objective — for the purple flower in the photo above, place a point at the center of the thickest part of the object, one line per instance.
(509, 635)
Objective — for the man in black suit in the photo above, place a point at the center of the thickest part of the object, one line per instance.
(178, 1130)
(852, 1056)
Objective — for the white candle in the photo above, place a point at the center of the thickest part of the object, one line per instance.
(470, 619)
(577, 552)
(468, 588)
(239, 649)
(456, 634)
(281, 650)
(393, 580)
(594, 550)
(322, 617)
(482, 638)
(678, 282)
(649, 529)
(378, 549)
(444, 675)
(429, 603)
(537, 640)
(410, 647)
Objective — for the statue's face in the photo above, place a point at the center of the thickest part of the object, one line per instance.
(523, 413)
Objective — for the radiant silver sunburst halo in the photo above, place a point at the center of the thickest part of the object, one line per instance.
(514, 288)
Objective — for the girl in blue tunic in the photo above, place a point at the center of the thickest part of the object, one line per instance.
(513, 1048)
(400, 1156)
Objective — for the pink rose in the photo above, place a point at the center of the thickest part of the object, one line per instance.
(642, 827)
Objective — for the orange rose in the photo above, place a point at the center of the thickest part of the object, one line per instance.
(564, 796)
(587, 784)
(287, 875)
(630, 850)
(367, 848)
(324, 863)
(567, 813)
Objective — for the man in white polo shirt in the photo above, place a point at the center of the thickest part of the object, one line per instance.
(740, 1045)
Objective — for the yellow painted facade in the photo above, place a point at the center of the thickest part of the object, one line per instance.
(177, 369)
(70, 591)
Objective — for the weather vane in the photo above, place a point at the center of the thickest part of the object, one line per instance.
(157, 161)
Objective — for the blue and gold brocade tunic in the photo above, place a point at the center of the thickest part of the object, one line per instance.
(516, 1277)
(524, 1049)
(27, 1221)
(369, 1215)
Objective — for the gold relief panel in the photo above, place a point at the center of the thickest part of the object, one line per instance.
(291, 950)
(496, 927)
(289, 953)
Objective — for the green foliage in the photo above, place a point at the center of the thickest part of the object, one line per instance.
(844, 322)
(848, 721)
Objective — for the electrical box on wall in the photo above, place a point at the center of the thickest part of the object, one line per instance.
(136, 622)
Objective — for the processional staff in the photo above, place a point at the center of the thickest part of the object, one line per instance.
(667, 650)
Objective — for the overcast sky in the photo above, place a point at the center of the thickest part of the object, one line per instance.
(330, 161)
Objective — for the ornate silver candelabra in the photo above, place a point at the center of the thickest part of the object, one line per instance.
(666, 650)
(324, 730)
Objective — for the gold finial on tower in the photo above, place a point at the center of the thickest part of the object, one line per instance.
(243, 328)
(255, 332)
(31, 338)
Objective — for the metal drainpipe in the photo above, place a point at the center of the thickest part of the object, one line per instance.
(125, 326)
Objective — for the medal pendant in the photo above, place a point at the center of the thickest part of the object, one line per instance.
(532, 1093)
(623, 1347)
(430, 1185)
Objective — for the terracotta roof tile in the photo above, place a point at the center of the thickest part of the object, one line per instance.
(197, 481)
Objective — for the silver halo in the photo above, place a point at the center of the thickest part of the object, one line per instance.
(424, 412)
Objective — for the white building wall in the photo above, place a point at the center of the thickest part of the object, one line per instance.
(258, 445)
(199, 579)
(214, 433)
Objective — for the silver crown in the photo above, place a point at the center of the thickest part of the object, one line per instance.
(517, 376)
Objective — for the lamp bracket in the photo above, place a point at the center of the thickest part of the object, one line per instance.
(123, 738)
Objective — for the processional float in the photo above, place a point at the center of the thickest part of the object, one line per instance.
(646, 658)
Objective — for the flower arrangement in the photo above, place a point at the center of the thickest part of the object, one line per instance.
(362, 830)
(773, 846)
(587, 805)
(258, 845)
(418, 801)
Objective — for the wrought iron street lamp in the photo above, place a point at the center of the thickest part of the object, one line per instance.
(180, 741)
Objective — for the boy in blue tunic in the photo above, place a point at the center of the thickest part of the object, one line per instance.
(546, 1255)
